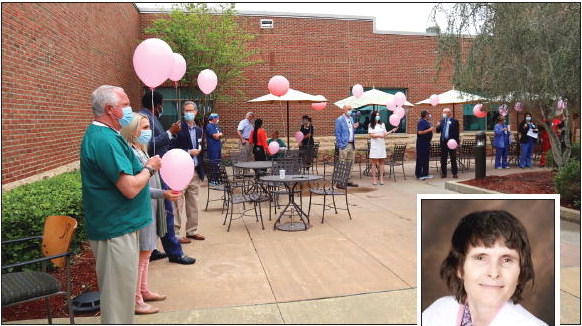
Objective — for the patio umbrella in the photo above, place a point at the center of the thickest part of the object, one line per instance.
(456, 97)
(370, 97)
(293, 96)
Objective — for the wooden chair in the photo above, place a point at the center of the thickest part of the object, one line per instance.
(23, 286)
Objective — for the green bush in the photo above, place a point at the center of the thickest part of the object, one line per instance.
(25, 208)
(567, 182)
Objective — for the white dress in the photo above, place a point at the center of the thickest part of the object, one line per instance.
(377, 145)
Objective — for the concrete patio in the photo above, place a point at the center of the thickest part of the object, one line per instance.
(339, 272)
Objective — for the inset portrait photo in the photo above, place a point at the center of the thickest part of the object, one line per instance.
(488, 260)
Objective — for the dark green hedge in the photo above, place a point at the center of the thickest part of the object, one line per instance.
(25, 208)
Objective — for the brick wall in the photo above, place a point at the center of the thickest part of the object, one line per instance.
(53, 56)
(327, 57)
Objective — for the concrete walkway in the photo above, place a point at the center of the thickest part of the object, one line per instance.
(342, 271)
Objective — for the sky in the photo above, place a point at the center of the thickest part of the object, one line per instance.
(403, 17)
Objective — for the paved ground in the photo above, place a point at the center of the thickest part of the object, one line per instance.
(342, 271)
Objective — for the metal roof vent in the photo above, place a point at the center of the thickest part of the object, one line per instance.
(266, 23)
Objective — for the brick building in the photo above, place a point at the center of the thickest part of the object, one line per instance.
(55, 54)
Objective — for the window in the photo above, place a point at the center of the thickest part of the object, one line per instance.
(363, 113)
(175, 98)
(472, 123)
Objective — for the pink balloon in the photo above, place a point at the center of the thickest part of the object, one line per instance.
(177, 169)
(357, 90)
(153, 61)
(399, 111)
(298, 136)
(434, 100)
(394, 120)
(452, 144)
(518, 106)
(390, 104)
(503, 110)
(318, 106)
(477, 111)
(207, 81)
(273, 147)
(278, 85)
(179, 67)
(399, 99)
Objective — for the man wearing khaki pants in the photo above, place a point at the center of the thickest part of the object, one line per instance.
(245, 126)
(186, 207)
(345, 137)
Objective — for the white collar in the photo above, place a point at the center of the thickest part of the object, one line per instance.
(100, 124)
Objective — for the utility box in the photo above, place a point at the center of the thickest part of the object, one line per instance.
(480, 158)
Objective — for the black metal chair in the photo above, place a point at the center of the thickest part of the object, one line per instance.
(397, 159)
(307, 155)
(330, 161)
(336, 187)
(23, 286)
(435, 154)
(237, 194)
(466, 153)
(277, 189)
(214, 182)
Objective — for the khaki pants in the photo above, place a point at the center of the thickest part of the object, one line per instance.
(247, 149)
(348, 153)
(116, 266)
(186, 208)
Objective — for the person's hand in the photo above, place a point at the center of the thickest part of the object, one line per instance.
(194, 152)
(172, 195)
(356, 125)
(438, 123)
(175, 128)
(155, 162)
(504, 129)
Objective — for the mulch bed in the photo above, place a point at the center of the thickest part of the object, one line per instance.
(83, 280)
(520, 183)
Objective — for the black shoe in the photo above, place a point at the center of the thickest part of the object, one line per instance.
(443, 176)
(455, 176)
(156, 255)
(351, 184)
(184, 260)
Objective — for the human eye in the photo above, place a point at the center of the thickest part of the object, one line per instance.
(479, 257)
(507, 260)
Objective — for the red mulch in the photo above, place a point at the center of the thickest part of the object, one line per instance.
(520, 183)
(83, 280)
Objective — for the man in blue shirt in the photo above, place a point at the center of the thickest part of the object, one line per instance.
(189, 139)
(423, 138)
(345, 137)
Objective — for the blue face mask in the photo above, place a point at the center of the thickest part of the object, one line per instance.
(528, 119)
(127, 116)
(377, 118)
(145, 137)
(189, 116)
(444, 116)
(349, 112)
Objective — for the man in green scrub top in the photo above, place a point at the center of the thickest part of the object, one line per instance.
(116, 202)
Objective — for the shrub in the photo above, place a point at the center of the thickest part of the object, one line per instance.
(25, 208)
(575, 155)
(567, 182)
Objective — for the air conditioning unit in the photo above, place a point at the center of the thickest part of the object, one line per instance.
(266, 23)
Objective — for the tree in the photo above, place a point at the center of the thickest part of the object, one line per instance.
(527, 52)
(208, 38)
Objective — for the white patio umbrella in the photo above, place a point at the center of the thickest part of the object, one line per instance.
(370, 97)
(293, 96)
(456, 97)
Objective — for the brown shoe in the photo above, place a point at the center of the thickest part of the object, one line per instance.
(145, 309)
(196, 236)
(152, 296)
(184, 240)
(455, 176)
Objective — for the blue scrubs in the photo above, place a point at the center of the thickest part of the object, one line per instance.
(422, 148)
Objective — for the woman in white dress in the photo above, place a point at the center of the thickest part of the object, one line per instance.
(377, 132)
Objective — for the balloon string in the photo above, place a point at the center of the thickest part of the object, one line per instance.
(154, 138)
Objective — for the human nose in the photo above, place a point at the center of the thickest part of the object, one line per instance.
(493, 270)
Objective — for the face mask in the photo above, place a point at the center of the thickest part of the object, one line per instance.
(527, 118)
(189, 116)
(444, 116)
(127, 116)
(377, 118)
(145, 137)
(429, 116)
(216, 121)
(349, 112)
(304, 122)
